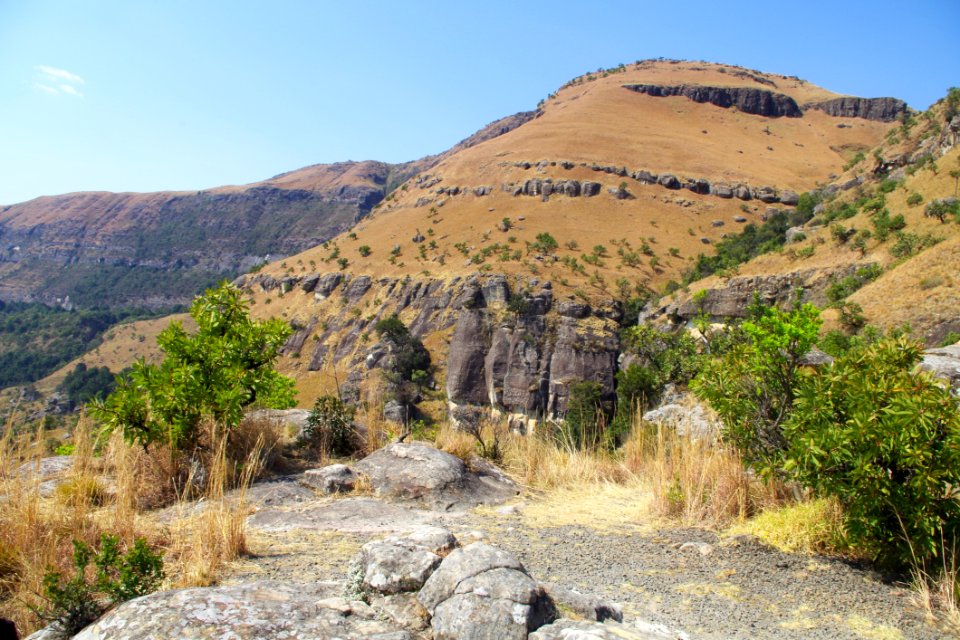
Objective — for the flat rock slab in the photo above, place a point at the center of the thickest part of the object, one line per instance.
(418, 473)
(250, 611)
(348, 515)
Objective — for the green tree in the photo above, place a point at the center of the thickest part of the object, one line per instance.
(409, 355)
(752, 386)
(216, 372)
(885, 439)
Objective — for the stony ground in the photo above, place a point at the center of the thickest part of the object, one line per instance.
(686, 579)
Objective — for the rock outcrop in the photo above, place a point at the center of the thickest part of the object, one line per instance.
(758, 102)
(882, 109)
(480, 592)
(416, 472)
(944, 363)
(250, 611)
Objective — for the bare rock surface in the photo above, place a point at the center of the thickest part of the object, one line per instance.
(418, 473)
(245, 612)
(944, 363)
(334, 478)
(566, 629)
(482, 592)
(360, 515)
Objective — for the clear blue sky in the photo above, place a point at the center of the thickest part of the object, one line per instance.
(143, 95)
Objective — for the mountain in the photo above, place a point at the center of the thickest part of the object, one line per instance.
(519, 259)
(160, 249)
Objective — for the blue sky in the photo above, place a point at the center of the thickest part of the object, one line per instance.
(143, 95)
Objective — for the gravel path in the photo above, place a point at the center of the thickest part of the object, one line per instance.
(685, 579)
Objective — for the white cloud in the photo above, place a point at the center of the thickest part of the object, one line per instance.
(42, 87)
(55, 82)
(63, 75)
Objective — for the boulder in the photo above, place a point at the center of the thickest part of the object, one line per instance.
(309, 283)
(721, 190)
(413, 471)
(395, 565)
(795, 234)
(944, 363)
(645, 177)
(482, 592)
(743, 192)
(326, 284)
(250, 611)
(669, 181)
(590, 189)
(571, 188)
(688, 419)
(789, 198)
(292, 419)
(396, 411)
(334, 478)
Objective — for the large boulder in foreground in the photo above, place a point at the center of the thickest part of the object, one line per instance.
(480, 592)
(413, 471)
(245, 612)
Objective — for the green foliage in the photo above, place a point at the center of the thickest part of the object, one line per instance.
(409, 355)
(943, 208)
(914, 199)
(76, 602)
(215, 373)
(885, 439)
(752, 385)
(753, 241)
(585, 421)
(952, 337)
(854, 161)
(545, 243)
(330, 427)
(36, 340)
(83, 384)
(840, 289)
(364, 250)
(908, 244)
(884, 224)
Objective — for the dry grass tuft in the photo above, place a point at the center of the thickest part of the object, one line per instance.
(695, 481)
(215, 534)
(542, 463)
(813, 526)
(937, 591)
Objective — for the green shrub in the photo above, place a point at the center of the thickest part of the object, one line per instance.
(545, 243)
(914, 199)
(76, 602)
(885, 439)
(330, 427)
(364, 250)
(752, 385)
(409, 355)
(215, 373)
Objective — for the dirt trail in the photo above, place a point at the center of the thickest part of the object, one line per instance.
(686, 579)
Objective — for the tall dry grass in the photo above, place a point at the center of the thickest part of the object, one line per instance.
(114, 490)
(696, 481)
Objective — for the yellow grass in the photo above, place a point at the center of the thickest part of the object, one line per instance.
(108, 493)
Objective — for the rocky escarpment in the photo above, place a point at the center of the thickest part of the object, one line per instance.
(881, 109)
(545, 187)
(513, 346)
(758, 102)
(732, 298)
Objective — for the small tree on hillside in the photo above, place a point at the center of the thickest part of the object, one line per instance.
(213, 373)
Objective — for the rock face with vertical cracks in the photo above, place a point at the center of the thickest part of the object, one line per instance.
(882, 109)
(758, 102)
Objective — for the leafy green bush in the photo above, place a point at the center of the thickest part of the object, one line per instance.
(215, 373)
(885, 439)
(884, 224)
(76, 602)
(545, 243)
(410, 355)
(752, 385)
(83, 384)
(330, 427)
